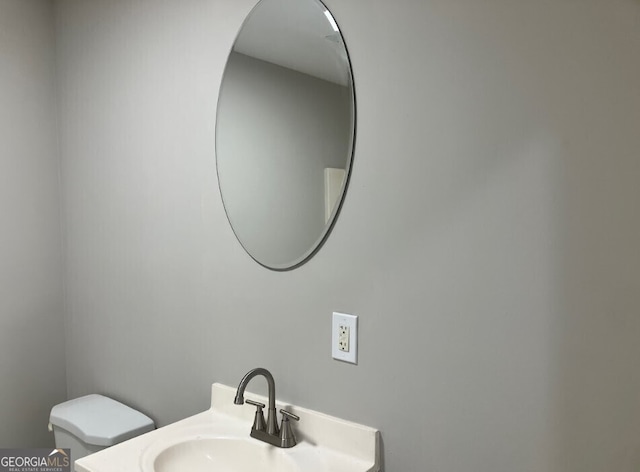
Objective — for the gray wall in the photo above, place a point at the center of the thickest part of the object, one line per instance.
(489, 239)
(277, 130)
(32, 357)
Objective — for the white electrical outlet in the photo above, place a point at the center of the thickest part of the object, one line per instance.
(344, 337)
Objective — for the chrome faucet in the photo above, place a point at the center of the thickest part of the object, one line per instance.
(269, 432)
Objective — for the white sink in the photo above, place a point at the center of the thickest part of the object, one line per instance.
(222, 454)
(217, 440)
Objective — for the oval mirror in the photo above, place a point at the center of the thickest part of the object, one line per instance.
(285, 131)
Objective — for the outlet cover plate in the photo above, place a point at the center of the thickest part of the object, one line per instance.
(351, 321)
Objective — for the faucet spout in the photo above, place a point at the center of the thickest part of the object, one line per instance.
(272, 425)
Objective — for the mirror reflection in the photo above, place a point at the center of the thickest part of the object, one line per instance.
(284, 132)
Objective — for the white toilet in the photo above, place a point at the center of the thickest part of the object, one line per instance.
(94, 422)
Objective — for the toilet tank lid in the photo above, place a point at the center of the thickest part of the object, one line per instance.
(99, 420)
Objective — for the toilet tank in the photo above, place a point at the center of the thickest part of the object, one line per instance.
(94, 422)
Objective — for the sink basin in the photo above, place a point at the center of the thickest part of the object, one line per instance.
(223, 455)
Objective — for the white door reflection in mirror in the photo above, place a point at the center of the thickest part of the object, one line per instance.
(333, 180)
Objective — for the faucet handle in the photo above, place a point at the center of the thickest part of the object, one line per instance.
(254, 403)
(287, 438)
(286, 415)
(258, 421)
